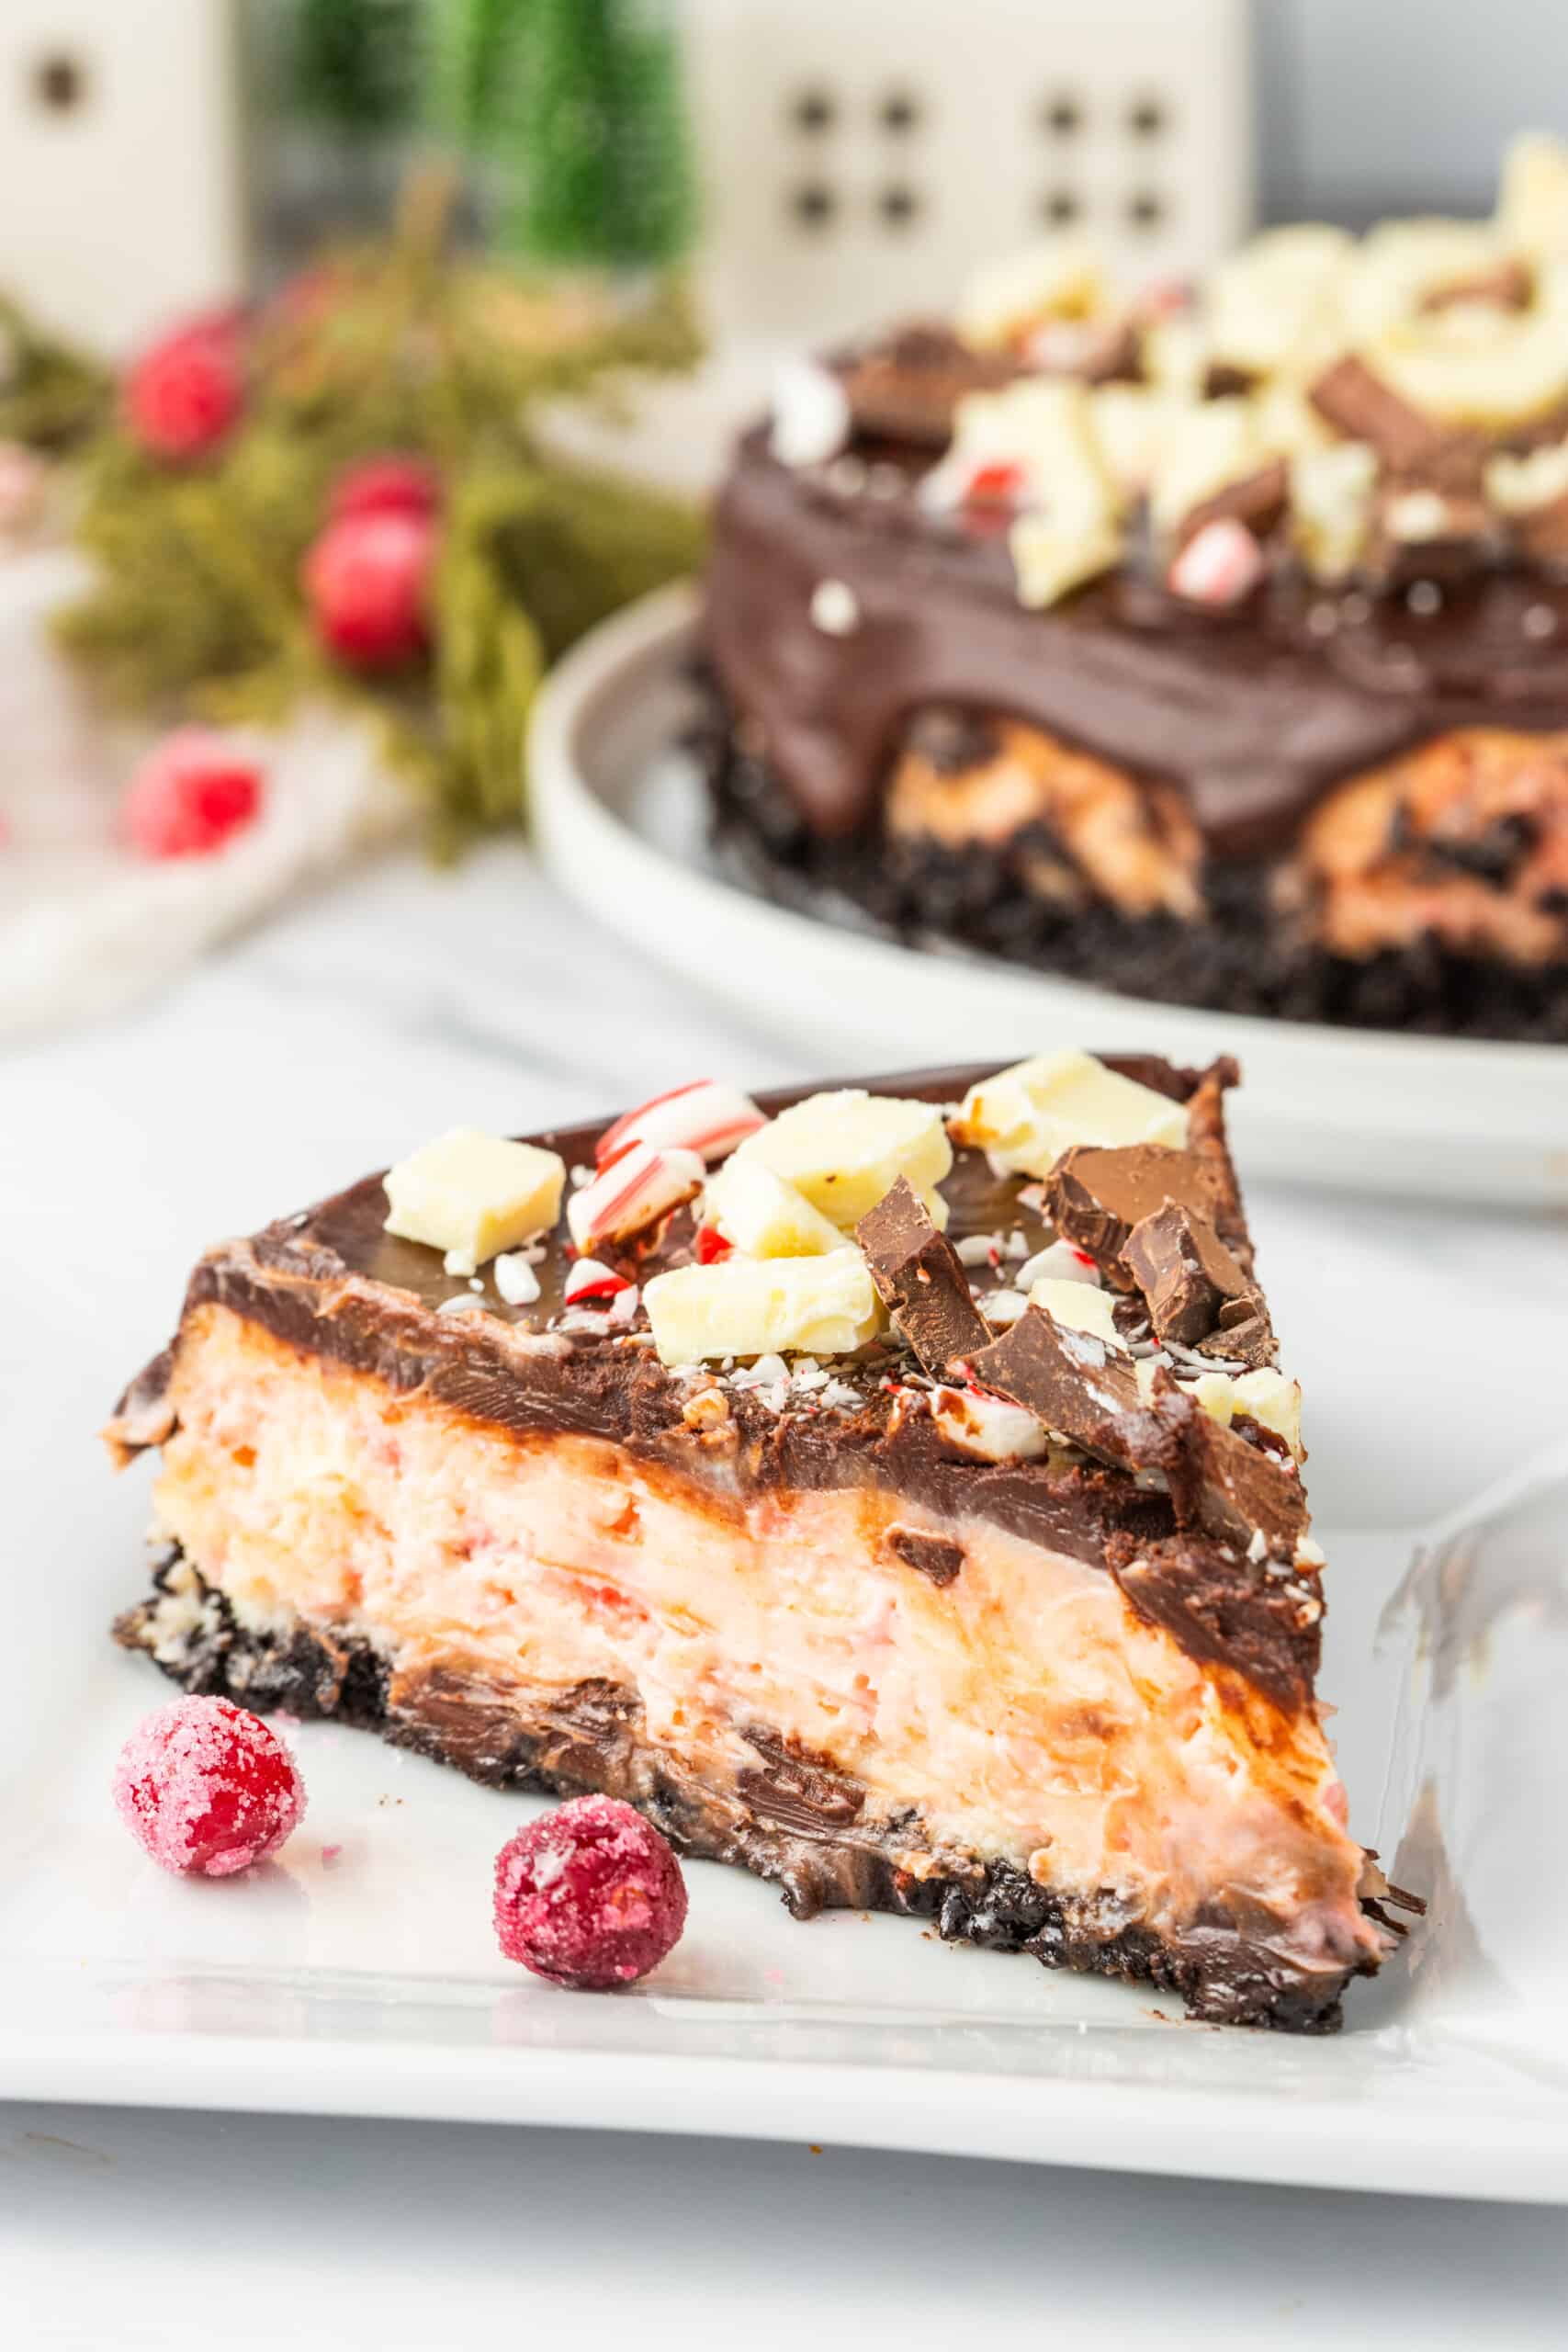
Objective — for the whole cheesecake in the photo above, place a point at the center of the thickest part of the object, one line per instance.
(1210, 644)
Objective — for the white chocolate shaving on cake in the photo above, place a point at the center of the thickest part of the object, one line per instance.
(1027, 1115)
(1077, 1307)
(1060, 278)
(845, 1149)
(1516, 485)
(1209, 448)
(1532, 203)
(751, 1306)
(1272, 304)
(765, 1217)
(473, 1195)
(1331, 506)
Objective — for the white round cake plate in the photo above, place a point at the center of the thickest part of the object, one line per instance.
(621, 823)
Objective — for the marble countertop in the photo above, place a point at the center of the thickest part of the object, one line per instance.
(332, 1040)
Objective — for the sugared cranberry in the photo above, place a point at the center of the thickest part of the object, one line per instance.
(389, 485)
(367, 583)
(205, 1786)
(590, 1896)
(181, 398)
(189, 794)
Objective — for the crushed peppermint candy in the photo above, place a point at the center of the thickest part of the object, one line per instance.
(992, 1427)
(515, 1279)
(1003, 1307)
(464, 1304)
(1058, 1262)
(632, 1190)
(588, 1279)
(766, 1372)
(1188, 1359)
(1220, 564)
(978, 1249)
(705, 1116)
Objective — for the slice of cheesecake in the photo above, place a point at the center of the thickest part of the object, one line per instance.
(893, 1489)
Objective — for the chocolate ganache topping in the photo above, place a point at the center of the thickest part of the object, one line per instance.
(1252, 712)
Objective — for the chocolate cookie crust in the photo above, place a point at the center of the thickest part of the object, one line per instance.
(1238, 958)
(789, 1822)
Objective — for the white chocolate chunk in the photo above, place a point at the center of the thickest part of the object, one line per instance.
(1532, 204)
(1027, 1115)
(764, 1216)
(1004, 298)
(845, 1150)
(1175, 357)
(1049, 560)
(1132, 424)
(1517, 485)
(753, 1306)
(1287, 423)
(1207, 448)
(1476, 364)
(1076, 1305)
(1044, 431)
(1331, 506)
(473, 1195)
(1271, 303)
(1266, 1394)
(1399, 263)
(1275, 1401)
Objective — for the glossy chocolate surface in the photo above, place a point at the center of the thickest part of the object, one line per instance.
(1254, 713)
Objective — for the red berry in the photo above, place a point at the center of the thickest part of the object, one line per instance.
(591, 1895)
(188, 795)
(203, 1786)
(391, 485)
(367, 580)
(181, 398)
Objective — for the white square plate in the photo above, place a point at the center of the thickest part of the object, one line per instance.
(357, 1973)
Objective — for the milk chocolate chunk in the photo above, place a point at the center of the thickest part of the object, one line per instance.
(940, 1557)
(1258, 501)
(1361, 405)
(919, 1280)
(1233, 1490)
(906, 390)
(1077, 1386)
(1197, 1293)
(1095, 1195)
